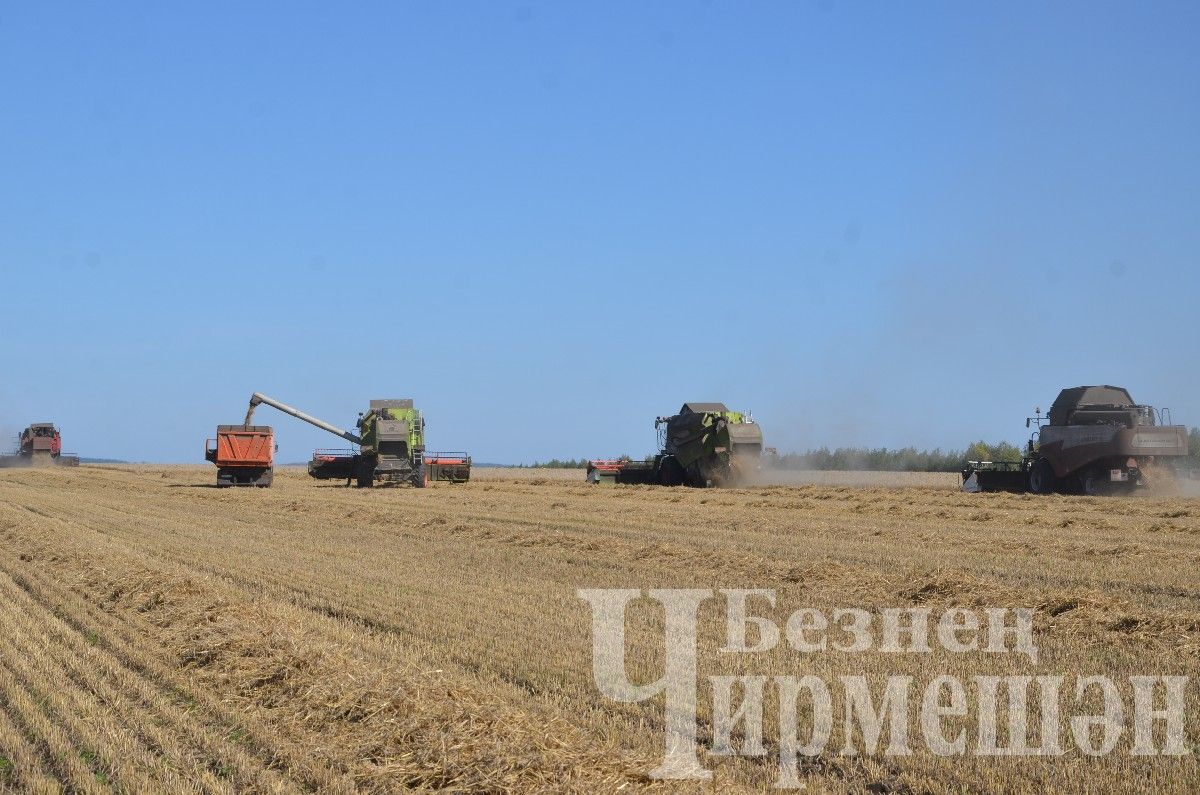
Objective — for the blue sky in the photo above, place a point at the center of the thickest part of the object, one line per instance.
(872, 224)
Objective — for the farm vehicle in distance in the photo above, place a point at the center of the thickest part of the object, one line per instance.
(705, 444)
(1094, 440)
(40, 444)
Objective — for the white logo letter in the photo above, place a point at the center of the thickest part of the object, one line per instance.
(678, 680)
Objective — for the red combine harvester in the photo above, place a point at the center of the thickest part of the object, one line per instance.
(41, 441)
(244, 455)
(40, 444)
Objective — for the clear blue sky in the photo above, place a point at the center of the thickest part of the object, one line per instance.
(870, 223)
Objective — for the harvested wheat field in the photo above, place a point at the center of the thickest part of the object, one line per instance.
(161, 635)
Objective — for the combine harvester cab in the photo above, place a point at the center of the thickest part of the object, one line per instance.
(41, 442)
(705, 444)
(1095, 440)
(392, 444)
(244, 455)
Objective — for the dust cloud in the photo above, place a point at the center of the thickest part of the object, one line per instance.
(1165, 481)
(9, 445)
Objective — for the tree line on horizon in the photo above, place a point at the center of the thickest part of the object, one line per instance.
(883, 459)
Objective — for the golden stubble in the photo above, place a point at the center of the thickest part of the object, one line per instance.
(161, 634)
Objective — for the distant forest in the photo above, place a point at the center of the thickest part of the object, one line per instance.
(882, 459)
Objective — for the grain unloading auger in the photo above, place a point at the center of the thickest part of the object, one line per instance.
(705, 444)
(1095, 440)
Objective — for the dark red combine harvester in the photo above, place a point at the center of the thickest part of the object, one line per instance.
(40, 444)
(41, 440)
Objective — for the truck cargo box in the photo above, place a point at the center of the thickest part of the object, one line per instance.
(241, 445)
(244, 454)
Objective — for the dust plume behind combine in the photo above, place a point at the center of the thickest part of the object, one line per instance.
(9, 443)
(1167, 481)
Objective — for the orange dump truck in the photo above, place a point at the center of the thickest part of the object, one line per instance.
(244, 455)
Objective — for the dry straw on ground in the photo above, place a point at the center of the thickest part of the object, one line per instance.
(156, 634)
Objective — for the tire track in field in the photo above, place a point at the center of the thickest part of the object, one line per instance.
(279, 586)
(315, 595)
(28, 771)
(54, 744)
(102, 692)
(84, 580)
(581, 536)
(107, 748)
(73, 606)
(255, 756)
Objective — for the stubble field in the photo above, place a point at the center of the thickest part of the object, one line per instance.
(160, 635)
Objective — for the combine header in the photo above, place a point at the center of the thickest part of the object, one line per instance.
(1095, 440)
(450, 467)
(40, 444)
(705, 444)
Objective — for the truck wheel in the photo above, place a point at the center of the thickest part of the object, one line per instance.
(418, 478)
(1041, 477)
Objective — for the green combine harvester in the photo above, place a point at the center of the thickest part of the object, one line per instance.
(391, 447)
(705, 444)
